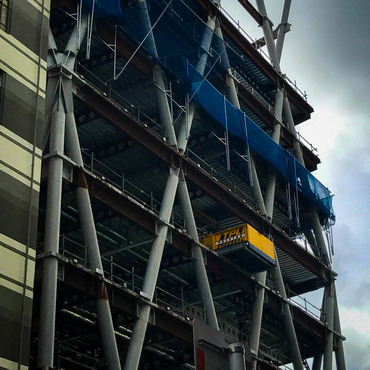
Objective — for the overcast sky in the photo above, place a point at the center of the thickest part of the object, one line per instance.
(327, 53)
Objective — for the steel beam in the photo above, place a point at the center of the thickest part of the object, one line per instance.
(199, 266)
(252, 11)
(77, 277)
(234, 99)
(270, 192)
(106, 328)
(283, 28)
(149, 140)
(269, 37)
(63, 132)
(257, 309)
(339, 351)
(298, 150)
(153, 265)
(45, 356)
(57, 104)
(146, 65)
(329, 318)
(163, 106)
(134, 211)
(287, 320)
(143, 63)
(231, 31)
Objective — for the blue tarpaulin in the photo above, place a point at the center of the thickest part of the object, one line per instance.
(238, 124)
(105, 8)
(135, 20)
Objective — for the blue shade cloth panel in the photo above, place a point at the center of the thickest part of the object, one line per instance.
(238, 124)
(136, 22)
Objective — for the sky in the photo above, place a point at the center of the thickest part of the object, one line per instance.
(327, 52)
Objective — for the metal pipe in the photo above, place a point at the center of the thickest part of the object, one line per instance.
(146, 27)
(83, 198)
(206, 44)
(199, 266)
(289, 117)
(278, 279)
(106, 330)
(234, 99)
(158, 76)
(256, 188)
(220, 47)
(284, 26)
(74, 42)
(256, 319)
(257, 309)
(51, 239)
(316, 364)
(152, 271)
(339, 352)
(320, 242)
(311, 240)
(271, 176)
(137, 338)
(72, 143)
(163, 106)
(287, 318)
(185, 127)
(73, 149)
(269, 38)
(270, 195)
(329, 314)
(236, 356)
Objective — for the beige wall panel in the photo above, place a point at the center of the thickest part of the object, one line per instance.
(18, 113)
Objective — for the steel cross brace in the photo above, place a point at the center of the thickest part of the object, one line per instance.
(269, 204)
(330, 305)
(63, 133)
(175, 183)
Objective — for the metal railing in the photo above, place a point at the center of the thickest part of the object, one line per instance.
(138, 194)
(303, 303)
(68, 353)
(249, 39)
(251, 89)
(129, 279)
(304, 141)
(134, 111)
(218, 176)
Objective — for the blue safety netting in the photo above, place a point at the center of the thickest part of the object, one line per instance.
(105, 8)
(136, 22)
(238, 124)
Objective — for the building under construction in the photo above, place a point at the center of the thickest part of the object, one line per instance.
(158, 208)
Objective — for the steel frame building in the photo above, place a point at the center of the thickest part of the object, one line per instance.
(137, 168)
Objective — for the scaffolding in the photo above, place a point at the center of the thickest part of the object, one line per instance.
(165, 125)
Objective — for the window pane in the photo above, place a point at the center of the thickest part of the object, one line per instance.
(4, 7)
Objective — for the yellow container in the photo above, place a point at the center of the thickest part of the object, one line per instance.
(241, 234)
(261, 242)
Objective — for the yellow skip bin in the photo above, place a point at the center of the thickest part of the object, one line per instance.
(244, 245)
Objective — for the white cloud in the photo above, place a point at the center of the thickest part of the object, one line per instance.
(356, 320)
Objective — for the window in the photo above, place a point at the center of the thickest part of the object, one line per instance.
(4, 12)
